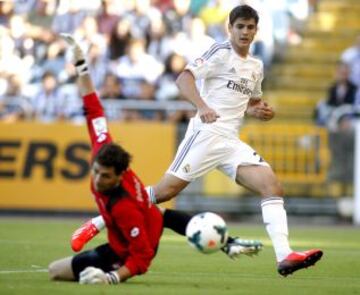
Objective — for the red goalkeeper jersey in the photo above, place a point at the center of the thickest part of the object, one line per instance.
(134, 224)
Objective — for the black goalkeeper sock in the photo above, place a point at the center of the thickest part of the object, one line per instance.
(176, 220)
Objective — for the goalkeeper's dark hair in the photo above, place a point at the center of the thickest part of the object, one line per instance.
(113, 155)
(245, 12)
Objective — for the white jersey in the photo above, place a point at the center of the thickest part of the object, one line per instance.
(229, 81)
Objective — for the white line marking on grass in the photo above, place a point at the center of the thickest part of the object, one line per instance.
(5, 272)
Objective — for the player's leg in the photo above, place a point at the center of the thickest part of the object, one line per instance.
(248, 169)
(178, 220)
(69, 269)
(167, 188)
(86, 232)
(197, 154)
(61, 270)
(262, 180)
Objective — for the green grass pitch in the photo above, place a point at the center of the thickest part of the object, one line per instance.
(28, 245)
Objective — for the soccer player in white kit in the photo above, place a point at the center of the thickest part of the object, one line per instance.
(231, 87)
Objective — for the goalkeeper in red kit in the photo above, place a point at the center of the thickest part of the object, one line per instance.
(134, 225)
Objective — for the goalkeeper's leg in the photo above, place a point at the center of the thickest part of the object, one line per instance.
(86, 232)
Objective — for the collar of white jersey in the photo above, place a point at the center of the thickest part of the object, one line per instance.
(237, 54)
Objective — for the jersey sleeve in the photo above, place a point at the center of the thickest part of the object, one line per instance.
(130, 220)
(206, 66)
(96, 122)
(259, 78)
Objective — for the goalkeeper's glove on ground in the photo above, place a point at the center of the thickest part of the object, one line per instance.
(93, 275)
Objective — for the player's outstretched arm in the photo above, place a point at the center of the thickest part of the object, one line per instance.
(187, 86)
(78, 58)
(96, 122)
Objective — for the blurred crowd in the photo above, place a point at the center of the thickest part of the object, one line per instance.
(135, 49)
(338, 111)
(342, 102)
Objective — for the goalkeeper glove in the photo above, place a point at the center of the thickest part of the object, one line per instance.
(93, 275)
(79, 60)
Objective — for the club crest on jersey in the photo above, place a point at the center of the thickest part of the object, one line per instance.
(134, 232)
(199, 61)
(186, 168)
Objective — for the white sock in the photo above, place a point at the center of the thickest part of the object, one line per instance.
(99, 222)
(149, 189)
(274, 217)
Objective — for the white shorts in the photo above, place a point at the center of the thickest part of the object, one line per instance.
(203, 151)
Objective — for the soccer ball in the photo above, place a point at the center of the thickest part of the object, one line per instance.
(207, 232)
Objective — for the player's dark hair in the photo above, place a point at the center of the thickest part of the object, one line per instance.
(113, 155)
(245, 12)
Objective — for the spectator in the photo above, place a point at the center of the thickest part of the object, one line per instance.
(42, 14)
(111, 88)
(351, 57)
(341, 145)
(24, 7)
(341, 92)
(53, 61)
(163, 5)
(178, 18)
(146, 93)
(336, 113)
(6, 11)
(107, 18)
(159, 43)
(14, 105)
(98, 64)
(196, 6)
(140, 18)
(199, 41)
(48, 104)
(10, 61)
(89, 31)
(119, 39)
(167, 89)
(68, 17)
(18, 32)
(214, 16)
(136, 68)
(109, 93)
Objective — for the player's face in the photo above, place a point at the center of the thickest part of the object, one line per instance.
(242, 33)
(104, 178)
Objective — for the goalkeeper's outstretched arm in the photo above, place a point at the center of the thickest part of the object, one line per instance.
(84, 81)
(95, 117)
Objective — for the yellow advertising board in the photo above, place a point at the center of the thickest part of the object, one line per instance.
(46, 166)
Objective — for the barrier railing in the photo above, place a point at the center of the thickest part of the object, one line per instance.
(298, 153)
